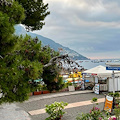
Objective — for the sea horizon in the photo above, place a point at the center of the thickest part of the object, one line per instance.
(88, 64)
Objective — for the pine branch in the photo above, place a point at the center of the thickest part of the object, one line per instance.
(53, 61)
(1, 57)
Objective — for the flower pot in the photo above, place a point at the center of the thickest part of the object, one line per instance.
(37, 93)
(71, 88)
(45, 91)
(77, 88)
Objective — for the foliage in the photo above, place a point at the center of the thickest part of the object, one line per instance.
(9, 16)
(44, 87)
(23, 58)
(117, 112)
(111, 94)
(95, 114)
(113, 118)
(11, 13)
(51, 78)
(94, 99)
(69, 84)
(39, 87)
(15, 71)
(27, 62)
(83, 116)
(18, 67)
(36, 12)
(55, 110)
(116, 94)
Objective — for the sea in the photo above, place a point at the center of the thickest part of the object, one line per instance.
(88, 64)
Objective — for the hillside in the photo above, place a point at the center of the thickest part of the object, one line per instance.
(46, 41)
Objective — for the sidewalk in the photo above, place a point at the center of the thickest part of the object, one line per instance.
(71, 105)
(53, 95)
(13, 112)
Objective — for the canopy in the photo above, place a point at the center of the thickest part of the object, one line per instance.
(100, 71)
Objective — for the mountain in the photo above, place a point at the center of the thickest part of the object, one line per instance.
(19, 29)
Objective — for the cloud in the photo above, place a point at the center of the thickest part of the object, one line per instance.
(91, 27)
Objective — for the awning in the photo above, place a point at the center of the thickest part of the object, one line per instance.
(100, 71)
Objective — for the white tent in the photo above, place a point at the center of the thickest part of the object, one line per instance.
(100, 71)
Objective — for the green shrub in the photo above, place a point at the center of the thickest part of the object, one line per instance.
(111, 94)
(117, 112)
(116, 94)
(55, 110)
(94, 99)
(83, 116)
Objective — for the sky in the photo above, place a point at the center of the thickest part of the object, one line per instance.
(90, 27)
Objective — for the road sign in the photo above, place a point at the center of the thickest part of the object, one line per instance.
(112, 68)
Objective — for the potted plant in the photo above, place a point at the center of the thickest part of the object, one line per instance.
(45, 90)
(55, 110)
(38, 90)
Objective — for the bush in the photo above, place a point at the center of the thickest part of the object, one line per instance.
(83, 116)
(94, 99)
(117, 112)
(55, 110)
(116, 95)
(94, 114)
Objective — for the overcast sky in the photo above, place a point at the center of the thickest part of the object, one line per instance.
(90, 27)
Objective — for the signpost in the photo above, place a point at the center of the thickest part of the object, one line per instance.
(108, 103)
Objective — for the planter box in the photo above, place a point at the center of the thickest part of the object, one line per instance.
(77, 88)
(71, 88)
(45, 91)
(37, 93)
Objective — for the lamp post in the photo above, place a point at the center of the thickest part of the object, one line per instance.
(113, 77)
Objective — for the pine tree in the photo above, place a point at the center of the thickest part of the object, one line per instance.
(11, 13)
(21, 59)
(35, 12)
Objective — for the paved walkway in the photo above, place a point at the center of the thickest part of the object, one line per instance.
(71, 105)
(13, 112)
(30, 110)
(59, 94)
